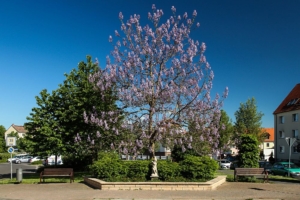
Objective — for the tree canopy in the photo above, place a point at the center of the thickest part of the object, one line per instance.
(162, 80)
(248, 119)
(226, 131)
(2, 139)
(57, 124)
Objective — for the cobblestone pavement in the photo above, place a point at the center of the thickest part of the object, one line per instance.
(80, 191)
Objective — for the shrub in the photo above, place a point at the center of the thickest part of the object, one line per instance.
(200, 168)
(5, 156)
(137, 170)
(167, 170)
(108, 167)
(248, 151)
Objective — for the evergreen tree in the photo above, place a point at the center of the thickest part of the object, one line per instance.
(248, 151)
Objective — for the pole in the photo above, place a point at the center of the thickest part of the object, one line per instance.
(10, 166)
(290, 160)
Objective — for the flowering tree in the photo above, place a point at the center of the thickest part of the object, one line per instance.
(163, 83)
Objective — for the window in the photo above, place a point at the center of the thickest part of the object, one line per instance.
(281, 149)
(295, 149)
(295, 117)
(281, 119)
(268, 144)
(281, 134)
(295, 133)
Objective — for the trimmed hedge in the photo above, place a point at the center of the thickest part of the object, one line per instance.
(168, 171)
(193, 168)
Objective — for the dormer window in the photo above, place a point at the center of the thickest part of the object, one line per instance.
(292, 102)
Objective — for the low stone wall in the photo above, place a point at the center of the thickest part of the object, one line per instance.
(102, 185)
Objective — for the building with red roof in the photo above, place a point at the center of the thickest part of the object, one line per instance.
(287, 125)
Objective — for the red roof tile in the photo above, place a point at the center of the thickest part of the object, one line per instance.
(286, 105)
(271, 132)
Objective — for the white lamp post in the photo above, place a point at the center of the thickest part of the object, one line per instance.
(290, 142)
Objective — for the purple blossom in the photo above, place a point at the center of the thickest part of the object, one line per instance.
(195, 13)
(162, 82)
(120, 16)
(173, 9)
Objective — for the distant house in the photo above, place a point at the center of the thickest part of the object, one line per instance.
(15, 128)
(268, 144)
(286, 123)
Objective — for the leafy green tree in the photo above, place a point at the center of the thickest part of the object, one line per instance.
(57, 125)
(248, 120)
(43, 126)
(226, 132)
(80, 96)
(2, 139)
(248, 151)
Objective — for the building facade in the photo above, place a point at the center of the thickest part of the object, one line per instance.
(15, 128)
(287, 125)
(268, 144)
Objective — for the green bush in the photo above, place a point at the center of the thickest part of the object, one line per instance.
(5, 156)
(167, 170)
(108, 167)
(248, 151)
(200, 168)
(137, 169)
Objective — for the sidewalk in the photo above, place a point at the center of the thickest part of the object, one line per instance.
(80, 191)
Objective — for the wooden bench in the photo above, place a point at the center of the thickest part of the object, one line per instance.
(57, 172)
(250, 172)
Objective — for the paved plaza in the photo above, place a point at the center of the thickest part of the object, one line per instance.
(80, 191)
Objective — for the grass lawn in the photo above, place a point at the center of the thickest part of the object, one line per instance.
(34, 178)
(272, 178)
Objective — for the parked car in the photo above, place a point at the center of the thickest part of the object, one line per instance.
(266, 165)
(36, 158)
(51, 160)
(224, 164)
(13, 159)
(282, 168)
(23, 159)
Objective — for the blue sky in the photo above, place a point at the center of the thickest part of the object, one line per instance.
(252, 46)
